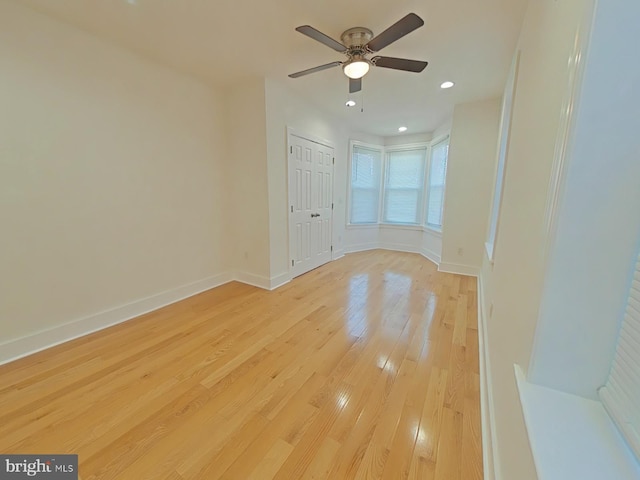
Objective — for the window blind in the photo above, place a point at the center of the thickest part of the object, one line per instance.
(366, 167)
(621, 394)
(404, 182)
(437, 175)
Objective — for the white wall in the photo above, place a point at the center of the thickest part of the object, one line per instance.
(512, 285)
(598, 223)
(443, 129)
(470, 175)
(111, 176)
(406, 139)
(366, 138)
(248, 202)
(285, 109)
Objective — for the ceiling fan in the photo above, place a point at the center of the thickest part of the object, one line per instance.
(358, 43)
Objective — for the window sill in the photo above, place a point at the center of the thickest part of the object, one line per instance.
(396, 226)
(363, 225)
(573, 437)
(401, 226)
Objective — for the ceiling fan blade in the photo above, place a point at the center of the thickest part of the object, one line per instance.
(400, 64)
(314, 69)
(355, 85)
(395, 32)
(317, 35)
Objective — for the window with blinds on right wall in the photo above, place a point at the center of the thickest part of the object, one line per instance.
(621, 394)
(435, 188)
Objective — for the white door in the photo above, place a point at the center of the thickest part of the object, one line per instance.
(310, 204)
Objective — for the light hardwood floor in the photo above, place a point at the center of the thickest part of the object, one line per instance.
(364, 368)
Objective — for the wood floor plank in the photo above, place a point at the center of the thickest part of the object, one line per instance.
(367, 367)
(448, 464)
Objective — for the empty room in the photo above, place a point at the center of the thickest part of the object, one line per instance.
(319, 240)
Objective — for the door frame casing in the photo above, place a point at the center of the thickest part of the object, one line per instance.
(321, 141)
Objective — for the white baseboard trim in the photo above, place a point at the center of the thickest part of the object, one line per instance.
(279, 280)
(459, 269)
(396, 247)
(252, 279)
(361, 247)
(432, 256)
(36, 342)
(337, 254)
(261, 281)
(490, 454)
(399, 247)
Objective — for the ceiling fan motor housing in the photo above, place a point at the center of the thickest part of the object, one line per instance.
(355, 39)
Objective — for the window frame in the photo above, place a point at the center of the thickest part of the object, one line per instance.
(421, 194)
(436, 141)
(504, 138)
(369, 146)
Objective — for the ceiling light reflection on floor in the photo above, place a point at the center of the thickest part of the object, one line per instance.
(342, 400)
(386, 364)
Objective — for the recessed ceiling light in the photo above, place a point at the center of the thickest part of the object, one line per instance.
(447, 85)
(402, 129)
(350, 103)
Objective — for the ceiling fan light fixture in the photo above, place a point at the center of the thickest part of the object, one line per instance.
(356, 68)
(357, 43)
(447, 84)
(350, 103)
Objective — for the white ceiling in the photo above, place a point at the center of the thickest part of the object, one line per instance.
(223, 41)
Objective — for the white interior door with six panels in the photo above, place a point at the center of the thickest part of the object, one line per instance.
(310, 203)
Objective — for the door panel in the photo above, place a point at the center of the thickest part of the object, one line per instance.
(324, 206)
(300, 193)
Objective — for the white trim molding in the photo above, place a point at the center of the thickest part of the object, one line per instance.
(307, 136)
(459, 269)
(36, 342)
(399, 247)
(490, 454)
(279, 280)
(337, 254)
(430, 255)
(361, 247)
(433, 257)
(571, 436)
(504, 136)
(260, 281)
(252, 279)
(566, 125)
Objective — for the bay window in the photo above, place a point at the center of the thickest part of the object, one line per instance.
(399, 185)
